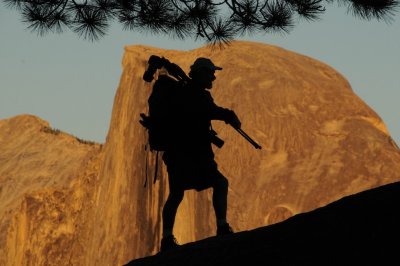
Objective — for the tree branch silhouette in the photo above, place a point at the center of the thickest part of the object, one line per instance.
(215, 22)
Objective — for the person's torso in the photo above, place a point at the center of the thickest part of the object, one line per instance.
(192, 107)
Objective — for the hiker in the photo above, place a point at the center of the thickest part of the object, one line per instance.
(189, 156)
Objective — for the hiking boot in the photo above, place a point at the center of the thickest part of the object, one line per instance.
(224, 229)
(168, 242)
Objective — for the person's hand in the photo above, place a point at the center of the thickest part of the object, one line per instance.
(233, 120)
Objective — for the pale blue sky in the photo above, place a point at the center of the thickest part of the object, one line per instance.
(71, 82)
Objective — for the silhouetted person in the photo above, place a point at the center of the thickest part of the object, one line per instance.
(189, 156)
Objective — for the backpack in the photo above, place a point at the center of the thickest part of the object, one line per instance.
(160, 119)
(161, 101)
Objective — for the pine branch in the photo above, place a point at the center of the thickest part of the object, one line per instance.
(89, 21)
(215, 21)
(369, 9)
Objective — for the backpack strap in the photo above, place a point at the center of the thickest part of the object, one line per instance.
(147, 166)
(147, 163)
(156, 170)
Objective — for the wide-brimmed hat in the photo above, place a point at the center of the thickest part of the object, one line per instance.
(202, 62)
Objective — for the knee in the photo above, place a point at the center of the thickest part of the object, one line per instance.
(176, 196)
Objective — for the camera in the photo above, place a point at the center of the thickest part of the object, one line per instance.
(215, 139)
(154, 63)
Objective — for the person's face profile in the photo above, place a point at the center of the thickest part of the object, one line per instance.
(205, 76)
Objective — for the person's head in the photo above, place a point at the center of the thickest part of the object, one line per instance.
(202, 72)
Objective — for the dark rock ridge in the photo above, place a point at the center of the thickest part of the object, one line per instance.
(361, 229)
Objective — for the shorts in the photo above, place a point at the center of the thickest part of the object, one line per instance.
(190, 170)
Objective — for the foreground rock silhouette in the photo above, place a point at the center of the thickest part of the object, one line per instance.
(361, 229)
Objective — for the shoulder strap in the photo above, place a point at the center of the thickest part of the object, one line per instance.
(156, 170)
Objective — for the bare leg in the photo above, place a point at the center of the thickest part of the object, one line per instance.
(220, 200)
(169, 211)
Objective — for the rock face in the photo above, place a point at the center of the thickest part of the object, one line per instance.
(47, 184)
(320, 143)
(63, 202)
